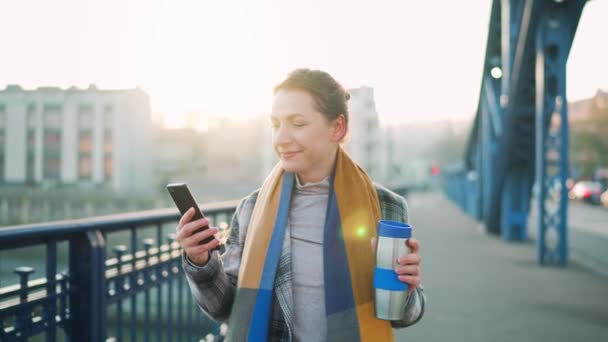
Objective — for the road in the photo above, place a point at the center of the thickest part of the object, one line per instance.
(591, 218)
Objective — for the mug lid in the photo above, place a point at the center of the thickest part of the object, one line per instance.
(394, 229)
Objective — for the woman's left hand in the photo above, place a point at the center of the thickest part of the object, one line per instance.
(409, 264)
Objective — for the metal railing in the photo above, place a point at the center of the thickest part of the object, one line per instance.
(115, 277)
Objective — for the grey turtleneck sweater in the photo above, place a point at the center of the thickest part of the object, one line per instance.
(306, 222)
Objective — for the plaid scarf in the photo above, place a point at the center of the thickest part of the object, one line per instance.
(352, 215)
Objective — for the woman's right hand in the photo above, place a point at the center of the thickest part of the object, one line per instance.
(198, 254)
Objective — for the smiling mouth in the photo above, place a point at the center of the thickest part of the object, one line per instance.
(288, 155)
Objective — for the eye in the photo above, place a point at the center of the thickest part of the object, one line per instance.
(299, 124)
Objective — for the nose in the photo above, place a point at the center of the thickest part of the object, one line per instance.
(281, 136)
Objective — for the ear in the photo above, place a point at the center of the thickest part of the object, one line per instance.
(338, 129)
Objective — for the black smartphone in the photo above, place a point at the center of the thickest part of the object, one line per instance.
(183, 200)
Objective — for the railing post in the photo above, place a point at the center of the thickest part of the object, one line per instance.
(24, 316)
(88, 286)
(119, 284)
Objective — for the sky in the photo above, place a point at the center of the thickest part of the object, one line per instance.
(222, 58)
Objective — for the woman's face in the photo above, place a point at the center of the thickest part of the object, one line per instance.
(302, 137)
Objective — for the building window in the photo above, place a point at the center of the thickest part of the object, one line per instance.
(85, 143)
(31, 153)
(2, 155)
(52, 142)
(86, 117)
(86, 122)
(108, 115)
(52, 116)
(85, 149)
(107, 142)
(84, 167)
(32, 122)
(52, 138)
(107, 168)
(2, 140)
(51, 168)
(32, 119)
(52, 154)
(31, 139)
(30, 177)
(2, 116)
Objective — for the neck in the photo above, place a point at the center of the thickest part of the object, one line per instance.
(321, 172)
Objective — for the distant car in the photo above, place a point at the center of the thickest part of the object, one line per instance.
(586, 191)
(604, 199)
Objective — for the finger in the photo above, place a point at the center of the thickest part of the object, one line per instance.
(191, 227)
(412, 281)
(186, 217)
(413, 244)
(410, 259)
(186, 231)
(374, 241)
(195, 239)
(408, 270)
(185, 235)
(204, 248)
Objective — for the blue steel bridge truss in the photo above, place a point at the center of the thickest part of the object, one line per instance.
(520, 134)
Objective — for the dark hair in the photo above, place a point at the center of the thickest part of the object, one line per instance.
(329, 96)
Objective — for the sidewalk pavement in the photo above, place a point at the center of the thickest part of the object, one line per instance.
(481, 288)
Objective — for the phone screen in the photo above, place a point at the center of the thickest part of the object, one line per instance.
(183, 200)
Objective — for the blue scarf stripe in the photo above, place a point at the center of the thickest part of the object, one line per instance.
(260, 321)
(339, 294)
(278, 234)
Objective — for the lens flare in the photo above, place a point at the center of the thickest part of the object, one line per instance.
(362, 231)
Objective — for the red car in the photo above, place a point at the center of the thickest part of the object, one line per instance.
(586, 191)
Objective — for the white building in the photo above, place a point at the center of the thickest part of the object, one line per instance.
(368, 144)
(87, 138)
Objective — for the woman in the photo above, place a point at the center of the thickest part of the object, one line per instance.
(298, 265)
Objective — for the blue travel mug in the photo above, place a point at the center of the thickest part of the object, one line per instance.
(390, 295)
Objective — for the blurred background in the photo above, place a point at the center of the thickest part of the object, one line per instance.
(103, 103)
